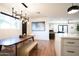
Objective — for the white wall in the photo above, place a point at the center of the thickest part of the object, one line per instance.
(41, 35)
(73, 26)
(55, 22)
(29, 28)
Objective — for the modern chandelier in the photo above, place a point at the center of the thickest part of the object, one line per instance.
(20, 15)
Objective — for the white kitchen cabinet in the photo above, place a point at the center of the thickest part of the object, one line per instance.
(70, 46)
(67, 44)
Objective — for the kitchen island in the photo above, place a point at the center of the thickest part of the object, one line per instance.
(67, 44)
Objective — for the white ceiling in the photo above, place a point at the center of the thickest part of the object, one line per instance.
(44, 9)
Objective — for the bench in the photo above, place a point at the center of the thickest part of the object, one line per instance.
(25, 49)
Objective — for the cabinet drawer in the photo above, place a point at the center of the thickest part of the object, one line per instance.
(71, 42)
(70, 51)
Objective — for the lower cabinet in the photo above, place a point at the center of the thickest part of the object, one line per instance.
(70, 47)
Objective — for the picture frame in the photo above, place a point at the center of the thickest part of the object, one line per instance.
(38, 26)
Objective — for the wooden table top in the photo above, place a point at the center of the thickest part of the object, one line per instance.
(14, 40)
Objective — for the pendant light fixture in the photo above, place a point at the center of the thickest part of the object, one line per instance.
(20, 16)
(73, 9)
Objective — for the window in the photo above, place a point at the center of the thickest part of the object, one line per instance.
(62, 28)
(7, 22)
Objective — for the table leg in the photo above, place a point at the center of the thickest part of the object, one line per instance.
(33, 38)
(16, 49)
(0, 47)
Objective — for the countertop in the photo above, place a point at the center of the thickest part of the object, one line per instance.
(66, 35)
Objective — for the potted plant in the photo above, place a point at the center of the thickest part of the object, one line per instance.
(77, 27)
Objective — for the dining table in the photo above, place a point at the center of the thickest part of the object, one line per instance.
(14, 40)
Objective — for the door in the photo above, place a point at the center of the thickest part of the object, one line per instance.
(24, 28)
(65, 29)
(62, 28)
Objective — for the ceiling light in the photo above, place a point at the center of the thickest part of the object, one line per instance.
(20, 15)
(73, 9)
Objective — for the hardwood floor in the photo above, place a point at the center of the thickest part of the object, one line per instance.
(45, 48)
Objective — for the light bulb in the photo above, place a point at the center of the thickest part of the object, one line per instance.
(73, 11)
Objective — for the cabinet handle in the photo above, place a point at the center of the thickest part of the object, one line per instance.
(71, 42)
(71, 51)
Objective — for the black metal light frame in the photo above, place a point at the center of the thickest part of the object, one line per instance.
(24, 5)
(75, 7)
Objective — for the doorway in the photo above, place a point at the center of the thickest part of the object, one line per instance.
(62, 28)
(24, 28)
